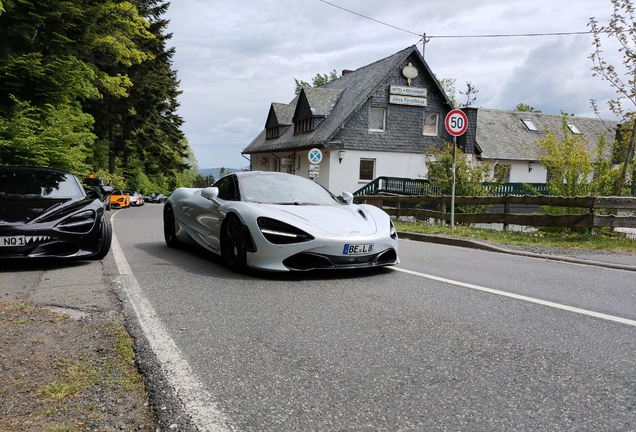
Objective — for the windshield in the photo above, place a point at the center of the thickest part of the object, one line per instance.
(284, 189)
(28, 182)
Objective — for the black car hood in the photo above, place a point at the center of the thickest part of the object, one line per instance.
(24, 210)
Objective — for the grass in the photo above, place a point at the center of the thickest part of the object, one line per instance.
(602, 240)
(75, 377)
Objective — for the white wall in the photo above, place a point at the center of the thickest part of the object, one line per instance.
(342, 176)
(519, 171)
(345, 175)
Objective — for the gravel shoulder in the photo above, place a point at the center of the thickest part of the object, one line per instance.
(66, 358)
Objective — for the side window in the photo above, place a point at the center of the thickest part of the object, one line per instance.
(367, 169)
(227, 188)
(430, 124)
(377, 119)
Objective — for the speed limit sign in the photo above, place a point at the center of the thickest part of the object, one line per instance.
(456, 122)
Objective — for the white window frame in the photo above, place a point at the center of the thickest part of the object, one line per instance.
(383, 119)
(424, 123)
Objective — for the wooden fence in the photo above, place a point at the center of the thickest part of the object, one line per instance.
(413, 206)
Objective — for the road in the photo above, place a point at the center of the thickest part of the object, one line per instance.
(452, 339)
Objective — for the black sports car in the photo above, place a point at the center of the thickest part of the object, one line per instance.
(47, 213)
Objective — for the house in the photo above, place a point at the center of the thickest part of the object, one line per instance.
(382, 119)
(507, 140)
(378, 120)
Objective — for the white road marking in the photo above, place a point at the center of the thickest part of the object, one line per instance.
(199, 404)
(521, 297)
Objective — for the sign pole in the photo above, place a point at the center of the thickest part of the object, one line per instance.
(456, 124)
(453, 184)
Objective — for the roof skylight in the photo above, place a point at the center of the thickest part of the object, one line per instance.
(574, 129)
(531, 127)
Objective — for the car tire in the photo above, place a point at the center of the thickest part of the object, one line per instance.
(169, 228)
(106, 238)
(233, 248)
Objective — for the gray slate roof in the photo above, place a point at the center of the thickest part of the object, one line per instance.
(502, 134)
(345, 95)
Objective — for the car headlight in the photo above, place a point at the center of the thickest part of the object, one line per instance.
(278, 232)
(78, 223)
(392, 231)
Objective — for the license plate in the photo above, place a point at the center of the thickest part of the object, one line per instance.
(350, 249)
(12, 241)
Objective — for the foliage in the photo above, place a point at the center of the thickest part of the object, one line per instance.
(89, 86)
(317, 81)
(621, 27)
(448, 85)
(469, 178)
(567, 161)
(201, 181)
(470, 94)
(526, 108)
(574, 171)
(57, 136)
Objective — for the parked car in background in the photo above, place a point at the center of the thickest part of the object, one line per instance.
(155, 198)
(47, 213)
(136, 199)
(119, 199)
(280, 222)
(98, 187)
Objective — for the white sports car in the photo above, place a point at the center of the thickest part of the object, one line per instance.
(280, 222)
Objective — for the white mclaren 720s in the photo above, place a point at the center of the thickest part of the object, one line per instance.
(280, 222)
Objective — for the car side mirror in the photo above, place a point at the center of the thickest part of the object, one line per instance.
(210, 193)
(106, 189)
(347, 197)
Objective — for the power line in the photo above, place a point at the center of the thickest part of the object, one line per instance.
(375, 20)
(426, 36)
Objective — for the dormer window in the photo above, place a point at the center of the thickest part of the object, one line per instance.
(305, 125)
(574, 129)
(272, 132)
(528, 123)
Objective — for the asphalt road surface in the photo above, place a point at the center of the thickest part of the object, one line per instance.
(452, 339)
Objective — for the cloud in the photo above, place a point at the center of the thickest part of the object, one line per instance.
(237, 126)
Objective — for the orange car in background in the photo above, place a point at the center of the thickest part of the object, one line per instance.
(119, 199)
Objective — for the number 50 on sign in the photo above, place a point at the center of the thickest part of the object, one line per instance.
(456, 122)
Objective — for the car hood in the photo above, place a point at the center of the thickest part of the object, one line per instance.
(350, 220)
(20, 210)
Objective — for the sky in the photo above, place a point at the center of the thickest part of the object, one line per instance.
(234, 58)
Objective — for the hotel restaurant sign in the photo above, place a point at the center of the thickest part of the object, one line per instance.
(401, 95)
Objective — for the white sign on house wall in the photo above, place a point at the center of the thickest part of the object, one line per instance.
(414, 96)
(408, 100)
(408, 91)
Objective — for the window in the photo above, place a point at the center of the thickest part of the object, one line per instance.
(272, 132)
(574, 129)
(430, 124)
(367, 169)
(305, 125)
(531, 127)
(227, 189)
(377, 119)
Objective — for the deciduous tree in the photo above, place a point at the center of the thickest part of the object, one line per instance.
(622, 28)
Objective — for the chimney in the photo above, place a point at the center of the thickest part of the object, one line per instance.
(346, 71)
